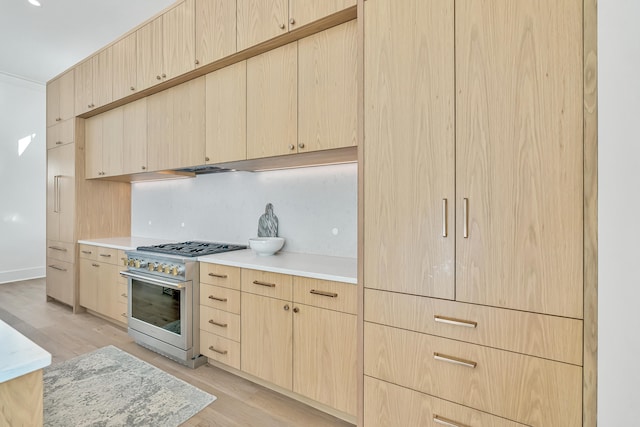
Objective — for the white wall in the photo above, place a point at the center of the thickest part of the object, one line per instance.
(22, 180)
(316, 208)
(618, 212)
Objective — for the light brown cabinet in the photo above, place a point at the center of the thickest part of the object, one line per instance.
(166, 46)
(60, 98)
(104, 144)
(134, 127)
(61, 193)
(259, 20)
(301, 334)
(124, 67)
(176, 126)
(226, 114)
(61, 133)
(215, 29)
(473, 171)
(93, 82)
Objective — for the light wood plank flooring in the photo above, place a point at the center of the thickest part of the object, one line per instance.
(65, 335)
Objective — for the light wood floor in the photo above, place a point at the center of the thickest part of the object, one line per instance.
(65, 335)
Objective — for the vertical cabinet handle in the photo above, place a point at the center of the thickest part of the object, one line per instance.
(446, 422)
(465, 214)
(445, 226)
(56, 194)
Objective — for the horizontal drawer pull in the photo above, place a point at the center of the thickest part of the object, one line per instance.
(269, 285)
(106, 255)
(95, 265)
(223, 352)
(455, 360)
(55, 267)
(87, 252)
(123, 295)
(455, 322)
(56, 248)
(217, 299)
(446, 422)
(123, 314)
(323, 293)
(220, 276)
(213, 322)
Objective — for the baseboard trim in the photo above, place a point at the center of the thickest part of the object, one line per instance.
(22, 274)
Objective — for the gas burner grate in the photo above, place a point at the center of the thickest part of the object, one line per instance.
(191, 248)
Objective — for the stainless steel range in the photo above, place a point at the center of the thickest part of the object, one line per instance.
(164, 297)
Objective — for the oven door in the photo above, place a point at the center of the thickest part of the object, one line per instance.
(160, 308)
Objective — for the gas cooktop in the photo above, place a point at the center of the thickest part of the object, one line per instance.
(191, 248)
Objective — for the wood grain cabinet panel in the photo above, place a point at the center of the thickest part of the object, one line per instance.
(61, 193)
(149, 54)
(104, 145)
(124, 67)
(63, 251)
(226, 114)
(260, 20)
(220, 349)
(61, 133)
(220, 298)
(327, 89)
(134, 138)
(61, 98)
(525, 389)
(303, 12)
(274, 285)
(220, 322)
(220, 275)
(519, 155)
(61, 280)
(215, 24)
(272, 107)
(399, 406)
(409, 166)
(94, 82)
(336, 296)
(178, 39)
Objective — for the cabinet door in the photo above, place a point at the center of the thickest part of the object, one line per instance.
(102, 78)
(215, 30)
(149, 54)
(53, 102)
(188, 143)
(84, 87)
(409, 147)
(260, 20)
(519, 155)
(324, 356)
(327, 89)
(178, 44)
(272, 107)
(112, 142)
(61, 193)
(266, 338)
(93, 146)
(108, 303)
(160, 129)
(302, 12)
(134, 137)
(66, 96)
(226, 114)
(88, 283)
(124, 67)
(60, 282)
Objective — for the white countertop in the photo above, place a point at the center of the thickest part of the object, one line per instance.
(19, 355)
(337, 269)
(126, 243)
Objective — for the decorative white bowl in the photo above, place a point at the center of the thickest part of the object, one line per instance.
(264, 246)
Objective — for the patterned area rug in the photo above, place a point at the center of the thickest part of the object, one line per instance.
(109, 387)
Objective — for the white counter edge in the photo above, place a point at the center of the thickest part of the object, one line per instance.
(19, 355)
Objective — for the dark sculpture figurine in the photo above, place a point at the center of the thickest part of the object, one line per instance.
(268, 223)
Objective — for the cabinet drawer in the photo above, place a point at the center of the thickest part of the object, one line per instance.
(122, 289)
(550, 337)
(221, 298)
(221, 349)
(220, 275)
(87, 251)
(61, 251)
(326, 294)
(60, 281)
(389, 405)
(121, 316)
(527, 389)
(61, 134)
(268, 284)
(221, 323)
(108, 255)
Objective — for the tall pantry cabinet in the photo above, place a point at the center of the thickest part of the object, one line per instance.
(473, 212)
(76, 208)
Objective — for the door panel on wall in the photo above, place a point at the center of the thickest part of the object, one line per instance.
(409, 147)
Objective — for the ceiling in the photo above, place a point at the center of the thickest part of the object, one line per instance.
(38, 43)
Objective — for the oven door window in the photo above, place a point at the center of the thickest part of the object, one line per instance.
(158, 306)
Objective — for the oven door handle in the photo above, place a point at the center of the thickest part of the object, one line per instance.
(166, 284)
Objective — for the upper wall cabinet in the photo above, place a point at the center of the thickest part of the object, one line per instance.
(165, 46)
(60, 98)
(215, 30)
(327, 89)
(104, 144)
(176, 126)
(124, 67)
(94, 82)
(260, 20)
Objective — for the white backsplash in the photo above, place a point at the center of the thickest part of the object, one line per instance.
(316, 208)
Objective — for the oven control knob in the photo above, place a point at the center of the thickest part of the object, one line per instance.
(174, 270)
(130, 261)
(136, 263)
(160, 268)
(167, 269)
(151, 267)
